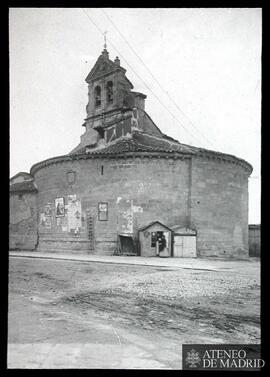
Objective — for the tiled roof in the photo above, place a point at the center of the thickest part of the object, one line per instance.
(152, 223)
(21, 174)
(23, 186)
(141, 142)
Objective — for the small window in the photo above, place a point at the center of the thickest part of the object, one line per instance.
(97, 96)
(102, 169)
(20, 196)
(103, 211)
(153, 239)
(109, 91)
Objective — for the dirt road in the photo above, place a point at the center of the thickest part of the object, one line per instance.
(91, 315)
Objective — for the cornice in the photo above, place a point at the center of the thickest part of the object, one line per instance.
(145, 155)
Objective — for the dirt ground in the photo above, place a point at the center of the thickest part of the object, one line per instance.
(124, 316)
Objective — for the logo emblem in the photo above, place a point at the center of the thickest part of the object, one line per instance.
(193, 358)
(71, 177)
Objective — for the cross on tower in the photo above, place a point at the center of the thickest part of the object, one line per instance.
(105, 39)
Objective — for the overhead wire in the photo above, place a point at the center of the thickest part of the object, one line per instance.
(100, 30)
(156, 80)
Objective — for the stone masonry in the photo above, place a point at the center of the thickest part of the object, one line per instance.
(125, 174)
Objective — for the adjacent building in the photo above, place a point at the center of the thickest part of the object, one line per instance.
(254, 240)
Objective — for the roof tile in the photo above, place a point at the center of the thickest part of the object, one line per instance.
(23, 186)
(141, 142)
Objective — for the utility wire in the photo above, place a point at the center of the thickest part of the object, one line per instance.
(99, 29)
(166, 92)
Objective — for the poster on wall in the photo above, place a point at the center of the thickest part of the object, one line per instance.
(125, 216)
(45, 219)
(71, 199)
(74, 212)
(126, 221)
(48, 223)
(48, 209)
(42, 219)
(59, 207)
(61, 224)
(103, 211)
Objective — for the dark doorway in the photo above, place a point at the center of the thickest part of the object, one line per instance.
(161, 241)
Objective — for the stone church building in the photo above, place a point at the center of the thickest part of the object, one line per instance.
(129, 188)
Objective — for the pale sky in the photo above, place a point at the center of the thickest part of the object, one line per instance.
(206, 61)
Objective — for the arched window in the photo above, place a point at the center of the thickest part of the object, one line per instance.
(97, 96)
(109, 91)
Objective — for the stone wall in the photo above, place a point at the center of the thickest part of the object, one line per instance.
(208, 195)
(137, 190)
(23, 221)
(254, 240)
(219, 207)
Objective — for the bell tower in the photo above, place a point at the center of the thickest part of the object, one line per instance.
(110, 100)
(108, 90)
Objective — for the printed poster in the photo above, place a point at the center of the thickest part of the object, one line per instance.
(74, 213)
(103, 211)
(59, 207)
(48, 209)
(42, 219)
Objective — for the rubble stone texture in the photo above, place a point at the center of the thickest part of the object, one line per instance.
(143, 175)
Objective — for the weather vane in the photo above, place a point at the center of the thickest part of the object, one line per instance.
(105, 39)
